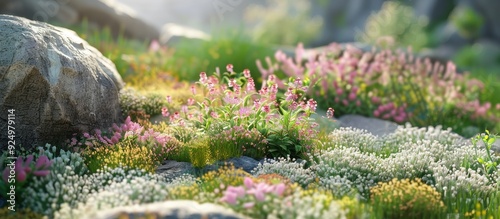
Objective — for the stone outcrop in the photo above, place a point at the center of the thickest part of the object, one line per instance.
(103, 13)
(55, 81)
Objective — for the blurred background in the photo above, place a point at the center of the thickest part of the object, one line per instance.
(464, 31)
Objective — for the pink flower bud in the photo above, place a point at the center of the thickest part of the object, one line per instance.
(193, 89)
(248, 182)
(203, 77)
(41, 172)
(339, 91)
(280, 188)
(229, 67)
(352, 96)
(330, 113)
(164, 112)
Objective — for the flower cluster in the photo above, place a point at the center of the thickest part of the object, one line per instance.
(312, 204)
(124, 153)
(287, 167)
(359, 160)
(23, 172)
(159, 143)
(23, 169)
(406, 199)
(132, 190)
(389, 85)
(64, 184)
(232, 102)
(252, 196)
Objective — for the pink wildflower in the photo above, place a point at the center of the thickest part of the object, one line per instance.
(214, 115)
(203, 77)
(311, 104)
(330, 112)
(184, 108)
(248, 182)
(193, 89)
(164, 112)
(154, 46)
(246, 73)
(229, 198)
(249, 205)
(352, 96)
(266, 108)
(280, 188)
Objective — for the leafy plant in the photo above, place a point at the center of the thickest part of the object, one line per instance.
(395, 25)
(231, 100)
(125, 153)
(490, 162)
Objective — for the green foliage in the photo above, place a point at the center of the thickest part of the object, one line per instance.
(225, 47)
(132, 101)
(283, 22)
(125, 153)
(223, 177)
(490, 162)
(395, 25)
(467, 21)
(199, 153)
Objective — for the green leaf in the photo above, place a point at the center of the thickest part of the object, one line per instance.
(491, 141)
(480, 160)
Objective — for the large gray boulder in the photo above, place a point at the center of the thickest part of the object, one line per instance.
(55, 81)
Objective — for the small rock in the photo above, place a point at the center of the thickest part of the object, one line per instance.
(243, 162)
(172, 169)
(169, 209)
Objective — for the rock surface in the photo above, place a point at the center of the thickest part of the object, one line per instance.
(55, 81)
(172, 34)
(118, 17)
(169, 209)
